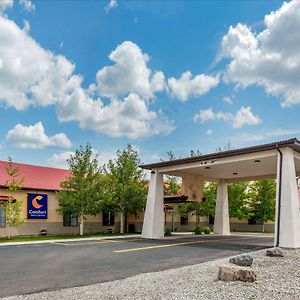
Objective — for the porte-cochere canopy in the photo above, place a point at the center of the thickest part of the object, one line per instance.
(280, 160)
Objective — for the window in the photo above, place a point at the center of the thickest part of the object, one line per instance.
(108, 219)
(254, 222)
(2, 216)
(70, 219)
(184, 220)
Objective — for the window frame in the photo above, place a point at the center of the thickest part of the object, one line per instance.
(184, 220)
(67, 219)
(2, 208)
(110, 221)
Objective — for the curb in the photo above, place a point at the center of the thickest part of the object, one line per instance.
(68, 240)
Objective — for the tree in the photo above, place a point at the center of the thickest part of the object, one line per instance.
(126, 183)
(13, 207)
(84, 190)
(172, 185)
(195, 153)
(262, 203)
(238, 200)
(210, 195)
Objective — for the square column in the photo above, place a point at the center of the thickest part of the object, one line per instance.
(221, 225)
(287, 225)
(153, 226)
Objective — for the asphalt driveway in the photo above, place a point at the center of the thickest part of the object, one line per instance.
(32, 268)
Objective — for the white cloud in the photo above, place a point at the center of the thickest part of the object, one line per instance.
(128, 117)
(243, 116)
(129, 74)
(59, 160)
(208, 114)
(31, 75)
(271, 58)
(26, 27)
(209, 131)
(34, 137)
(4, 5)
(186, 86)
(276, 133)
(27, 4)
(110, 5)
(227, 100)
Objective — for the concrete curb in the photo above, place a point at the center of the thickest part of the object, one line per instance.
(69, 240)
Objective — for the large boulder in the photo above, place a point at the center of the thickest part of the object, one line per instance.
(274, 252)
(236, 273)
(244, 260)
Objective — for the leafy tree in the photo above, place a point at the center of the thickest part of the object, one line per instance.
(126, 183)
(238, 200)
(195, 153)
(172, 186)
(210, 195)
(12, 207)
(198, 210)
(263, 202)
(84, 190)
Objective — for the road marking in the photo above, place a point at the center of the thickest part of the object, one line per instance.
(98, 241)
(170, 245)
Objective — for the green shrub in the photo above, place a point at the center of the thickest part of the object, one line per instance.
(206, 230)
(198, 229)
(168, 232)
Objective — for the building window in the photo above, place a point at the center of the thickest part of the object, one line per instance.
(184, 220)
(108, 219)
(70, 219)
(2, 217)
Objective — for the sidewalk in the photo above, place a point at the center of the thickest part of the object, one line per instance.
(68, 240)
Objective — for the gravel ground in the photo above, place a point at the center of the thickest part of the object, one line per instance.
(278, 278)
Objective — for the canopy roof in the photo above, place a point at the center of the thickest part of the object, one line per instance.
(250, 163)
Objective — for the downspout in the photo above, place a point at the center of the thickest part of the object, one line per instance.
(279, 198)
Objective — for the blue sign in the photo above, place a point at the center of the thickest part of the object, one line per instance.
(37, 206)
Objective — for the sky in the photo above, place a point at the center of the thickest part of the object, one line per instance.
(159, 75)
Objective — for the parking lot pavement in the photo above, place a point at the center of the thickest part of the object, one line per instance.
(32, 268)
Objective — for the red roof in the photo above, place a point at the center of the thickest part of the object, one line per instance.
(36, 177)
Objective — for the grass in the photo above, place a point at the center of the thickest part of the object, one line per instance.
(56, 237)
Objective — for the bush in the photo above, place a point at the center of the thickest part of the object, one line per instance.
(206, 230)
(198, 230)
(168, 232)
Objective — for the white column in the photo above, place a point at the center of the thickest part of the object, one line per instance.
(221, 225)
(289, 219)
(153, 226)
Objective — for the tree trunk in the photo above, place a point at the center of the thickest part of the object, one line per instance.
(198, 220)
(263, 227)
(81, 224)
(172, 221)
(122, 222)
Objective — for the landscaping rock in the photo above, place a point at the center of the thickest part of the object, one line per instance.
(234, 273)
(244, 260)
(274, 252)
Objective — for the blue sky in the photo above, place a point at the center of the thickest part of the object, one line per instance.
(160, 75)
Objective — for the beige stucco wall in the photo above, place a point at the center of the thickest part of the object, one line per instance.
(93, 224)
(54, 222)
